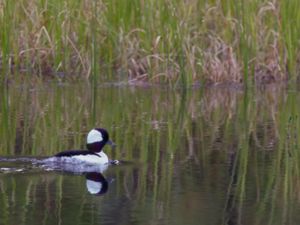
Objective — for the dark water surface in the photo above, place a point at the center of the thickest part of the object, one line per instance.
(200, 156)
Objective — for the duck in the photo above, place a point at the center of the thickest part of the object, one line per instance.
(96, 139)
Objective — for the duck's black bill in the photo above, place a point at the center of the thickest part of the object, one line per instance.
(112, 144)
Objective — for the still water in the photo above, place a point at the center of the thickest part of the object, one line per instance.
(197, 156)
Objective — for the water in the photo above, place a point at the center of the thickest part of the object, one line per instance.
(213, 156)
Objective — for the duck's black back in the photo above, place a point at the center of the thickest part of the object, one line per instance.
(71, 153)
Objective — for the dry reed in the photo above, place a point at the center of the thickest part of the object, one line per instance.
(142, 41)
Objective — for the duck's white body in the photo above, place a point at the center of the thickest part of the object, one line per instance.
(97, 158)
(74, 164)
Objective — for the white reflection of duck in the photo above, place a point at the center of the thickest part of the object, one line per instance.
(96, 183)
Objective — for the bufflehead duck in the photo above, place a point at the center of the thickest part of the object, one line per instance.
(96, 139)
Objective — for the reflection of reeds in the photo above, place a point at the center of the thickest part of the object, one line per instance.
(169, 133)
(269, 101)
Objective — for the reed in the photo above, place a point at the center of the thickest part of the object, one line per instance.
(171, 42)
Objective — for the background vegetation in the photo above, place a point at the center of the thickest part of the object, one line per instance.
(185, 138)
(168, 41)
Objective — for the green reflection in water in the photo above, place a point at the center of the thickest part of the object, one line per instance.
(214, 156)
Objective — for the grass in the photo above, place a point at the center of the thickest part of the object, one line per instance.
(172, 42)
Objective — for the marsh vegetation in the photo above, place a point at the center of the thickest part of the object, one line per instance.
(219, 154)
(171, 42)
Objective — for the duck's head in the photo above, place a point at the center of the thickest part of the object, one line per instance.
(97, 138)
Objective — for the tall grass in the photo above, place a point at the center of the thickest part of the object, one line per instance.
(145, 41)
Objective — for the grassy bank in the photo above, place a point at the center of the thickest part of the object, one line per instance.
(167, 41)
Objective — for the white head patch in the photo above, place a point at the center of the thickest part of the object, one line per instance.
(94, 136)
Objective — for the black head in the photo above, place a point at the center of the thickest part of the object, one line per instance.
(96, 139)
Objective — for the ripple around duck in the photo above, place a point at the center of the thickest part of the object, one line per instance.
(11, 170)
(17, 165)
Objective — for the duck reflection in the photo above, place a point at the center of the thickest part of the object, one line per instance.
(96, 183)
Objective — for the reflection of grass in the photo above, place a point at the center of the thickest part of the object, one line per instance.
(258, 134)
(162, 41)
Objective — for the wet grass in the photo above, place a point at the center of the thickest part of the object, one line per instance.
(172, 42)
